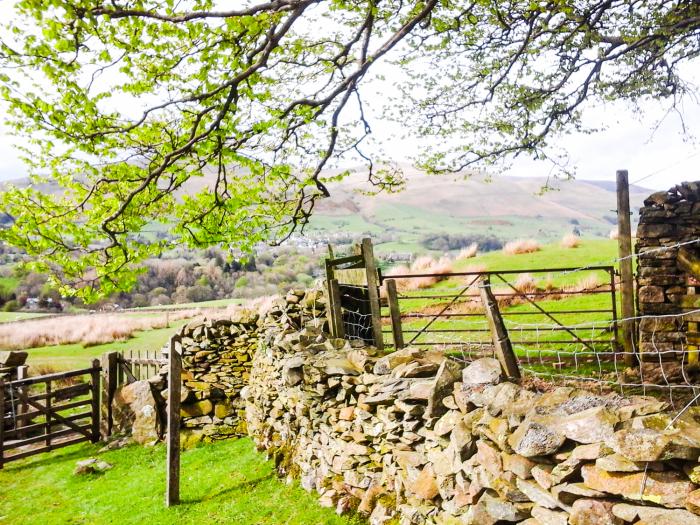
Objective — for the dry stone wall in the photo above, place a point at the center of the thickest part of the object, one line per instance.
(667, 219)
(413, 438)
(217, 357)
(216, 361)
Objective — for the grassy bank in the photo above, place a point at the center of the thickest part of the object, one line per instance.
(227, 482)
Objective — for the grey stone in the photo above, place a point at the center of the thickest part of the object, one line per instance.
(533, 439)
(91, 466)
(484, 371)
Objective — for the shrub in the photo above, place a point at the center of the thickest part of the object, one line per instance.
(468, 253)
(571, 241)
(11, 306)
(521, 246)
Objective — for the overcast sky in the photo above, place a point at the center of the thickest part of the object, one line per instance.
(661, 157)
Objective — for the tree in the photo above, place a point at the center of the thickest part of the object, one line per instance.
(122, 103)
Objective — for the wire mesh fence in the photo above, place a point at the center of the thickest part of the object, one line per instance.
(563, 326)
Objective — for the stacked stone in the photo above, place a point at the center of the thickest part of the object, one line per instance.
(216, 358)
(216, 361)
(667, 219)
(411, 438)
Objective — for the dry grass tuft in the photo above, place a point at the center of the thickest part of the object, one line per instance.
(585, 284)
(424, 264)
(468, 253)
(89, 330)
(525, 283)
(521, 246)
(571, 240)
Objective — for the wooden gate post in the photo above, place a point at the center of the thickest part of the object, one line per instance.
(373, 292)
(624, 239)
(499, 333)
(95, 404)
(172, 494)
(109, 388)
(22, 407)
(395, 313)
(2, 422)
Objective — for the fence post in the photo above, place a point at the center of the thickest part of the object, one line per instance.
(330, 312)
(2, 422)
(172, 495)
(95, 405)
(395, 313)
(335, 309)
(373, 292)
(109, 388)
(499, 333)
(22, 407)
(624, 239)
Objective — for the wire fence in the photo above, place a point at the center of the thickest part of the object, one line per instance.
(356, 313)
(563, 325)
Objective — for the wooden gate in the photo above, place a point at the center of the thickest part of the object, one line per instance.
(353, 291)
(43, 413)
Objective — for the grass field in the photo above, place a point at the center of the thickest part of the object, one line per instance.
(9, 283)
(527, 325)
(67, 357)
(9, 317)
(227, 482)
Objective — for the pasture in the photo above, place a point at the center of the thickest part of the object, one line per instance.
(243, 489)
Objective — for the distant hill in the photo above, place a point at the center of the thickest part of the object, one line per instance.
(505, 207)
(501, 206)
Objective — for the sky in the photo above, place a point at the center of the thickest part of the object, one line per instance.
(657, 156)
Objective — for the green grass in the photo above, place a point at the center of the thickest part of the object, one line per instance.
(591, 253)
(9, 283)
(8, 317)
(226, 482)
(67, 357)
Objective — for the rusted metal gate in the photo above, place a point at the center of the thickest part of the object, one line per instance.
(43, 413)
